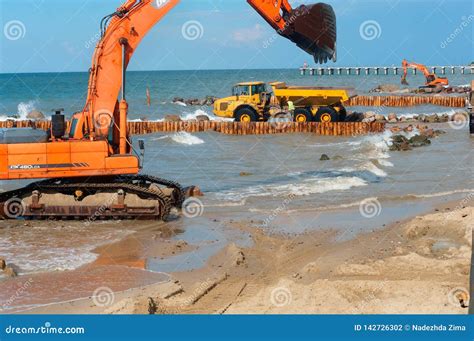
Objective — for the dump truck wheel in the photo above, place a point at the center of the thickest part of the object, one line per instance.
(245, 115)
(326, 115)
(302, 115)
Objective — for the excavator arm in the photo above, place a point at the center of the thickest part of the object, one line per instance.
(312, 28)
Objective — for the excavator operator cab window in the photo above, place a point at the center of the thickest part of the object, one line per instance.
(72, 130)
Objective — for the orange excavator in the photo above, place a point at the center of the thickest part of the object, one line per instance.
(432, 80)
(89, 166)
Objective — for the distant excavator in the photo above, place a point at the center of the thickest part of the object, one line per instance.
(432, 80)
(91, 168)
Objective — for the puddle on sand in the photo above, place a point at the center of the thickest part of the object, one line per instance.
(209, 236)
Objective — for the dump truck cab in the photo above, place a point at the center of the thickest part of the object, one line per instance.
(255, 101)
(248, 100)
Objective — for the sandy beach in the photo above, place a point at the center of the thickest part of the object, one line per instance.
(419, 265)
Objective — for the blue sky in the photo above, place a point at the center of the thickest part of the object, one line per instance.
(56, 35)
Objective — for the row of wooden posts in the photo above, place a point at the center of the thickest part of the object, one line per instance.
(407, 101)
(234, 128)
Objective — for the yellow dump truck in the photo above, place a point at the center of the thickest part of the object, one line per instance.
(252, 101)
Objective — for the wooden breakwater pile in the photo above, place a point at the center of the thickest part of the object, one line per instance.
(234, 128)
(407, 101)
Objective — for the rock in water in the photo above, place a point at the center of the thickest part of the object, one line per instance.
(245, 174)
(8, 271)
(369, 116)
(172, 118)
(35, 115)
(178, 100)
(392, 118)
(324, 157)
(400, 143)
(419, 141)
(200, 118)
(3, 264)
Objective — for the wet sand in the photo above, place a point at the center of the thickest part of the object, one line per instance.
(420, 265)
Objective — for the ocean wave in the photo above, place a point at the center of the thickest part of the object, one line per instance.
(303, 188)
(187, 116)
(372, 168)
(53, 255)
(182, 137)
(23, 109)
(385, 163)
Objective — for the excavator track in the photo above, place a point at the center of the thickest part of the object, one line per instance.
(116, 197)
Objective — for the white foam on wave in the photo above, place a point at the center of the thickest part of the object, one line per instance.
(385, 163)
(187, 116)
(38, 250)
(377, 146)
(303, 188)
(23, 109)
(186, 138)
(372, 168)
(182, 104)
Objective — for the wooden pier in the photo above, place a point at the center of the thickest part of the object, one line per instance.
(382, 70)
(234, 128)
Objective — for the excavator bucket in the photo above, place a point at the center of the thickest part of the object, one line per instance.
(313, 29)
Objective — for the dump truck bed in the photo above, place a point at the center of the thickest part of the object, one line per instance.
(311, 95)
